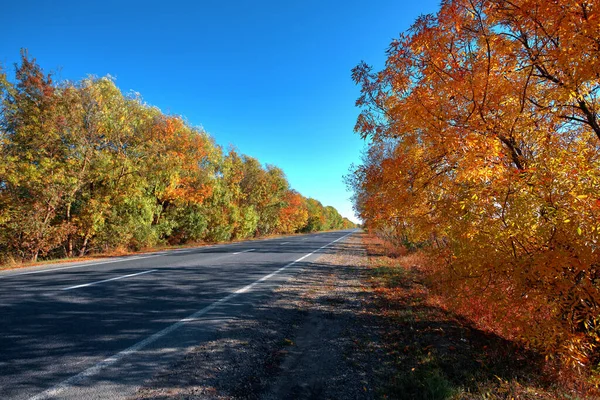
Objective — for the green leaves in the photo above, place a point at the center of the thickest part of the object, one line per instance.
(85, 168)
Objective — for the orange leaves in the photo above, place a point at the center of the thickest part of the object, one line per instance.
(484, 148)
(179, 157)
(294, 215)
(186, 190)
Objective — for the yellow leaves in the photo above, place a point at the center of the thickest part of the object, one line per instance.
(481, 150)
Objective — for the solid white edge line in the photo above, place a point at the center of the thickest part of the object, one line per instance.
(81, 266)
(108, 280)
(75, 379)
(128, 258)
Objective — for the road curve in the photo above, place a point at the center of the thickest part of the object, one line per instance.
(97, 330)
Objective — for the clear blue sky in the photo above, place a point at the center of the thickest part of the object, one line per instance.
(270, 77)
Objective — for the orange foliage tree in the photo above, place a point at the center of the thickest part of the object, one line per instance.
(294, 215)
(484, 145)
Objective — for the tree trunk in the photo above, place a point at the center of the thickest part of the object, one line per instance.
(83, 246)
(70, 236)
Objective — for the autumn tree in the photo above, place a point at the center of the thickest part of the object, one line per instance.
(316, 216)
(293, 216)
(86, 168)
(484, 142)
(35, 153)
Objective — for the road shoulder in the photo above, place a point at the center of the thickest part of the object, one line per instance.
(311, 338)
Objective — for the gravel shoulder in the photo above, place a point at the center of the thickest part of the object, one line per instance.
(312, 338)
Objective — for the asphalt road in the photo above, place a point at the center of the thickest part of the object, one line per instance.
(98, 329)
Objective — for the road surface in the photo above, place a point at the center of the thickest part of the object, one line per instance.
(98, 329)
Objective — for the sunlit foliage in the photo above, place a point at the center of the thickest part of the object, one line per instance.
(85, 168)
(484, 147)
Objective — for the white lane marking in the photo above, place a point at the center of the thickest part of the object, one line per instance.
(132, 258)
(245, 251)
(283, 243)
(108, 280)
(162, 253)
(77, 379)
(80, 266)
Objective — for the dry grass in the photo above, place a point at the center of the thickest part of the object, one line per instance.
(437, 354)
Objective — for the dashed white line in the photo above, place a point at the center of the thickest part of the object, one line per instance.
(77, 379)
(245, 251)
(283, 243)
(108, 280)
(160, 254)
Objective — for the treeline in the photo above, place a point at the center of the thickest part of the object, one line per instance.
(484, 131)
(84, 168)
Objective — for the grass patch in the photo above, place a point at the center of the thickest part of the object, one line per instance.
(425, 381)
(389, 276)
(434, 354)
